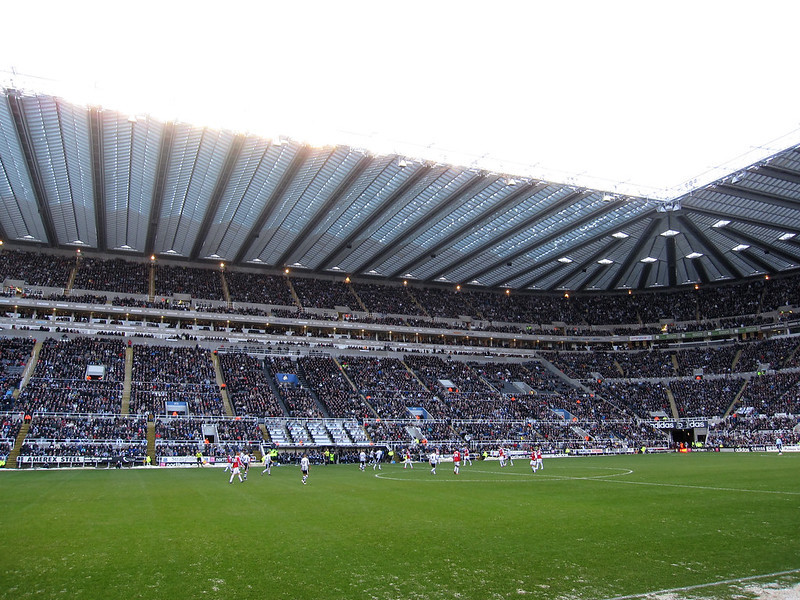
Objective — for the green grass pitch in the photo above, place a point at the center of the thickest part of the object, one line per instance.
(581, 529)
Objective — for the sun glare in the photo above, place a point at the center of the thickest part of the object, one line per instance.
(610, 97)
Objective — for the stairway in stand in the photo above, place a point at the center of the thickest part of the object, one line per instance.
(151, 441)
(126, 386)
(12, 456)
(223, 389)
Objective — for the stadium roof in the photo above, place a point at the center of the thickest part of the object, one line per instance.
(73, 176)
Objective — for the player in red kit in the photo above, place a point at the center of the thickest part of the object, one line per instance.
(236, 468)
(533, 461)
(456, 462)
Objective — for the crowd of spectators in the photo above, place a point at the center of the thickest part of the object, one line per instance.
(36, 269)
(540, 378)
(705, 397)
(368, 387)
(158, 303)
(198, 283)
(179, 429)
(385, 299)
(742, 299)
(60, 382)
(249, 389)
(730, 300)
(70, 396)
(504, 376)
(89, 453)
(96, 438)
(708, 360)
(65, 427)
(80, 298)
(331, 386)
(300, 402)
(389, 387)
(778, 293)
(222, 451)
(776, 353)
(642, 398)
(239, 430)
(183, 437)
(524, 308)
(9, 429)
(163, 374)
(581, 365)
(579, 404)
(14, 356)
(739, 431)
(113, 275)
(773, 393)
(186, 429)
(298, 399)
(69, 358)
(444, 303)
(257, 288)
(317, 293)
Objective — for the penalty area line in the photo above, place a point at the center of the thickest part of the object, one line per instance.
(622, 473)
(504, 476)
(692, 487)
(700, 586)
(450, 479)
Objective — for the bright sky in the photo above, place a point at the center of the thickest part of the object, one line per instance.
(635, 97)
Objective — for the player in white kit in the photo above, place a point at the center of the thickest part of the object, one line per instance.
(378, 459)
(304, 467)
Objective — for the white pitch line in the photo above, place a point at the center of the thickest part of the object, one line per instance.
(690, 487)
(677, 485)
(705, 585)
(532, 477)
(446, 479)
(503, 474)
(657, 484)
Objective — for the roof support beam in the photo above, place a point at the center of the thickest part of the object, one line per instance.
(693, 232)
(769, 248)
(272, 202)
(739, 219)
(633, 255)
(781, 173)
(341, 190)
(472, 225)
(98, 176)
(216, 197)
(596, 274)
(576, 248)
(376, 215)
(21, 125)
(753, 258)
(700, 270)
(521, 226)
(644, 276)
(753, 196)
(672, 268)
(538, 242)
(543, 275)
(467, 190)
(575, 267)
(162, 166)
